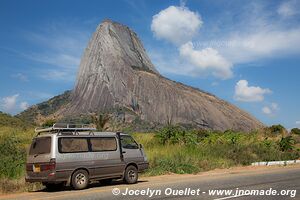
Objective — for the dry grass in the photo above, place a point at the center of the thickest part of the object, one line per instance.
(18, 185)
(214, 150)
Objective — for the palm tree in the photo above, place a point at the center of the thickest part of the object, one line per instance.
(100, 121)
(286, 143)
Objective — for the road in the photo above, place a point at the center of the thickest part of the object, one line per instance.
(260, 179)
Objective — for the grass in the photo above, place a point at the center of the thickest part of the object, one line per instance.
(14, 142)
(210, 150)
(18, 185)
(170, 150)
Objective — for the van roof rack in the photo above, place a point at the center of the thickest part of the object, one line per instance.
(59, 127)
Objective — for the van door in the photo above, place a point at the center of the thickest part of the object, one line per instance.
(131, 150)
(39, 158)
(106, 154)
(72, 153)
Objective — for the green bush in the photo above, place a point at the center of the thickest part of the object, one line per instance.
(286, 143)
(49, 123)
(172, 149)
(178, 150)
(295, 131)
(277, 129)
(168, 134)
(13, 155)
(176, 135)
(11, 121)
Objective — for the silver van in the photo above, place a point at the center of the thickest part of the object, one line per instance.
(76, 154)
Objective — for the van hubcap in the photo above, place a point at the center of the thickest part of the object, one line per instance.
(131, 174)
(80, 179)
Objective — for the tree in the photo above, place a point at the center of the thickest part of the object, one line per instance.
(295, 131)
(277, 129)
(49, 123)
(100, 121)
(286, 143)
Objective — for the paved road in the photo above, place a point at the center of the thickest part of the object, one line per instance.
(249, 178)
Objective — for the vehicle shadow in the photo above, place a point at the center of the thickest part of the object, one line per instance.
(93, 184)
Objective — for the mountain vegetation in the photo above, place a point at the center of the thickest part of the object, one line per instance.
(43, 111)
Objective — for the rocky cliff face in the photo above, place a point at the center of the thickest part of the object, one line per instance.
(108, 69)
(115, 72)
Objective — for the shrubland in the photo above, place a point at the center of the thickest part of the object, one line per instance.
(171, 149)
(174, 149)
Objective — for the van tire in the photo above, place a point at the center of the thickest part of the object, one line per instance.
(131, 174)
(80, 179)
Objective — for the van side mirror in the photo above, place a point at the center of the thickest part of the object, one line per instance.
(140, 146)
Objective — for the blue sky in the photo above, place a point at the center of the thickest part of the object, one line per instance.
(244, 52)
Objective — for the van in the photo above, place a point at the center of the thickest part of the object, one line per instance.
(74, 155)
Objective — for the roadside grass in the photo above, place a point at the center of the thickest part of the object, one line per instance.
(206, 150)
(13, 145)
(14, 142)
(18, 185)
(171, 149)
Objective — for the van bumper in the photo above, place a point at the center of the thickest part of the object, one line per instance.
(41, 179)
(52, 177)
(143, 166)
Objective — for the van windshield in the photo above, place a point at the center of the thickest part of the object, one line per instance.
(40, 146)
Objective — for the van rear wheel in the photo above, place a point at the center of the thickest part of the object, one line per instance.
(131, 174)
(80, 179)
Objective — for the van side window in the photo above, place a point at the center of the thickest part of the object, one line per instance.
(73, 145)
(128, 142)
(103, 144)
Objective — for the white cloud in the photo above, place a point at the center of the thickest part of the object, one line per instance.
(12, 104)
(289, 8)
(246, 93)
(169, 62)
(176, 24)
(179, 25)
(266, 110)
(20, 76)
(8, 103)
(24, 105)
(257, 33)
(271, 109)
(263, 43)
(298, 122)
(207, 59)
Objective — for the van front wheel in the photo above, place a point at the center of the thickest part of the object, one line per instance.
(80, 179)
(131, 174)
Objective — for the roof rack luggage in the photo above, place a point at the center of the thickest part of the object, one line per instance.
(63, 127)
